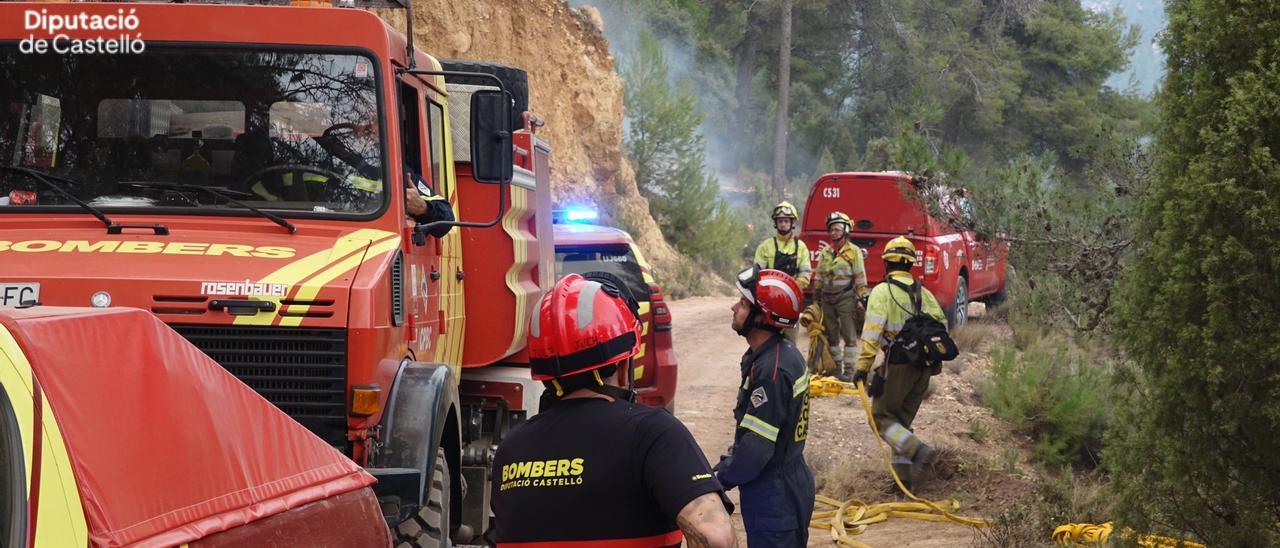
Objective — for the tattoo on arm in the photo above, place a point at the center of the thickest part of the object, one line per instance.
(705, 524)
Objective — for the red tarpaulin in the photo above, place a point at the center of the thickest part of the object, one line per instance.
(166, 446)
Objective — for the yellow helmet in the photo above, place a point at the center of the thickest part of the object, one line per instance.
(837, 217)
(785, 209)
(899, 250)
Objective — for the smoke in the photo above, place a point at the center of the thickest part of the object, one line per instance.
(625, 20)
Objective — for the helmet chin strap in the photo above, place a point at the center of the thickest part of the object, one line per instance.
(749, 323)
(627, 394)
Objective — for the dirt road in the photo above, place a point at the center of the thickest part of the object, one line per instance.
(841, 448)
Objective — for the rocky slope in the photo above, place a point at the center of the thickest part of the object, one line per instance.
(573, 86)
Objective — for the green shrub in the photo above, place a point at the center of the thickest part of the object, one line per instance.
(1058, 395)
(1198, 448)
(979, 431)
(668, 153)
(1066, 498)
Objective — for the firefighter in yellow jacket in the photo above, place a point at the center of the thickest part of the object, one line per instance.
(839, 286)
(786, 252)
(898, 388)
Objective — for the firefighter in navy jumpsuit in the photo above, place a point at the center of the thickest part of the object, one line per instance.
(766, 461)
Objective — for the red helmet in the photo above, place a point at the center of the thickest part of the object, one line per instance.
(775, 293)
(581, 325)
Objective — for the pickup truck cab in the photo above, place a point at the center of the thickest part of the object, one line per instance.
(582, 248)
(958, 266)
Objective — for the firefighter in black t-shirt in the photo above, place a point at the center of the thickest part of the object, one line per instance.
(766, 461)
(593, 466)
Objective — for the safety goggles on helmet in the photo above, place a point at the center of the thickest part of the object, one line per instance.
(784, 210)
(836, 217)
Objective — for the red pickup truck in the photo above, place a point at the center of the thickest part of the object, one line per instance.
(958, 266)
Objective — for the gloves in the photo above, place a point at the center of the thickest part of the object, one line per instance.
(859, 377)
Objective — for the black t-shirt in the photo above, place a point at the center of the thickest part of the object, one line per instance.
(591, 470)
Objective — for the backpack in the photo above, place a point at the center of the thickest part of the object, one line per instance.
(786, 262)
(923, 341)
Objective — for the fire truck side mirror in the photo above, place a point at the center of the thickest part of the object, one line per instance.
(491, 147)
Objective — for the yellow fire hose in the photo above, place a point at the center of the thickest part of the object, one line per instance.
(852, 517)
(1087, 533)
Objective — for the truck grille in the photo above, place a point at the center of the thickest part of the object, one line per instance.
(301, 371)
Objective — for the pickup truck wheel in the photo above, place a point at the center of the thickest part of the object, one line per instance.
(430, 527)
(958, 312)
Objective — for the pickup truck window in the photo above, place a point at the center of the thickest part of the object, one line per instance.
(614, 259)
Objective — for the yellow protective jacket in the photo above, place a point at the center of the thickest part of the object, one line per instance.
(887, 310)
(767, 253)
(838, 269)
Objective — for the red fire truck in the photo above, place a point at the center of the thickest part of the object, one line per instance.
(243, 173)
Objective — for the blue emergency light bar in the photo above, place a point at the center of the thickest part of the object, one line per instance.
(575, 215)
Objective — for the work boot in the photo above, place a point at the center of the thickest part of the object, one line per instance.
(891, 487)
(904, 474)
(922, 463)
(842, 375)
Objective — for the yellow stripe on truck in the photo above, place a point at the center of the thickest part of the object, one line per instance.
(60, 516)
(299, 270)
(313, 286)
(521, 240)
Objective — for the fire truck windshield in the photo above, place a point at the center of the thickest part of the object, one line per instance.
(296, 131)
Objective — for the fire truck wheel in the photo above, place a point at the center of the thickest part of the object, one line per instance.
(430, 528)
(515, 80)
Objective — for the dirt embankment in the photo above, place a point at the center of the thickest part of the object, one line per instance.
(986, 463)
(573, 86)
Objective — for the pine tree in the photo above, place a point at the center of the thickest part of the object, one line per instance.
(1197, 447)
(668, 153)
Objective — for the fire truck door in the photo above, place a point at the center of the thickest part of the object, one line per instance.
(422, 269)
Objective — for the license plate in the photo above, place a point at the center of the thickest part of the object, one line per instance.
(19, 294)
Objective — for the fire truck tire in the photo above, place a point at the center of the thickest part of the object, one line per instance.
(430, 527)
(515, 80)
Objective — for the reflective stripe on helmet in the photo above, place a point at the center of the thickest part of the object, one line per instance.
(786, 290)
(587, 303)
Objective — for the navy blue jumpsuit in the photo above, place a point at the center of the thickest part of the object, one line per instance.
(767, 459)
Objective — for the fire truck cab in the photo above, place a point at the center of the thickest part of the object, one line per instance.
(244, 173)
